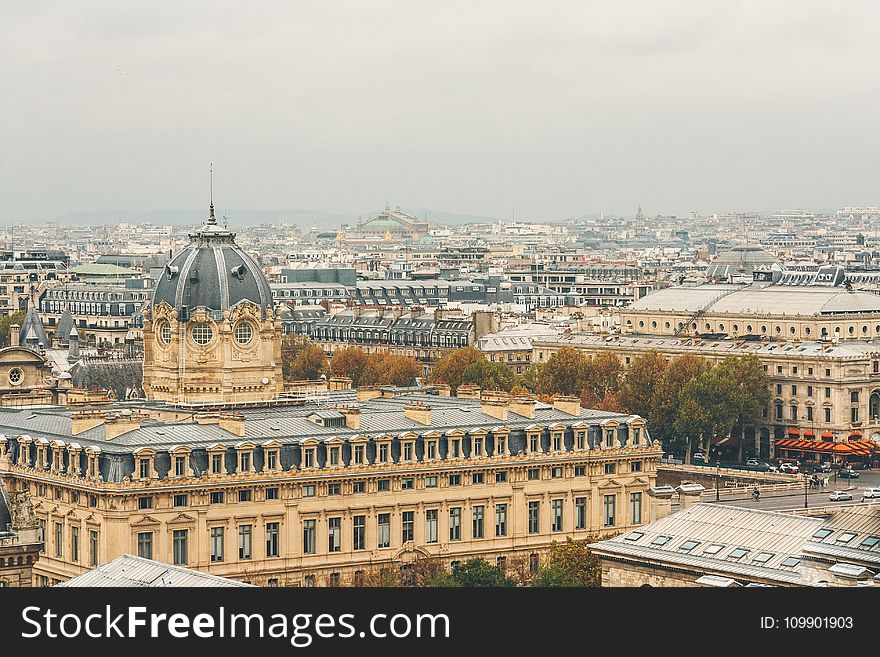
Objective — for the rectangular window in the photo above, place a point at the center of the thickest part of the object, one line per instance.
(534, 517)
(610, 468)
(358, 454)
(359, 487)
(217, 536)
(181, 500)
(334, 489)
(501, 477)
(580, 513)
(810, 413)
(556, 473)
(534, 473)
(59, 540)
(407, 483)
(144, 468)
(145, 545)
(74, 543)
(557, 442)
(334, 456)
(383, 485)
(455, 480)
(827, 393)
(407, 451)
(309, 537)
(309, 458)
(431, 525)
(827, 414)
(478, 478)
(809, 391)
(501, 445)
(271, 460)
(245, 495)
(455, 524)
(431, 482)
(635, 508)
(145, 502)
(272, 493)
(556, 509)
(359, 529)
(216, 464)
(478, 447)
(334, 534)
(384, 451)
(180, 546)
(853, 415)
(272, 539)
(179, 466)
(534, 443)
(794, 390)
(245, 542)
(217, 497)
(383, 526)
(407, 526)
(609, 502)
(93, 548)
(580, 471)
(580, 440)
(244, 462)
(477, 513)
(500, 520)
(308, 490)
(635, 466)
(431, 449)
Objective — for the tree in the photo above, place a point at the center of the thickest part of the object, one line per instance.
(5, 323)
(603, 374)
(639, 386)
(349, 362)
(569, 564)
(450, 368)
(705, 409)
(480, 573)
(398, 370)
(752, 391)
(565, 372)
(489, 376)
(301, 359)
(661, 423)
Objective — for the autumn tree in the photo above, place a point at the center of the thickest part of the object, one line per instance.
(398, 370)
(603, 374)
(569, 564)
(751, 392)
(349, 362)
(302, 359)
(705, 410)
(489, 376)
(640, 384)
(564, 373)
(449, 369)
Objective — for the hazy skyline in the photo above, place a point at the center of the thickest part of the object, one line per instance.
(556, 109)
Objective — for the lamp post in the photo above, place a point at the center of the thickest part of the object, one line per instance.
(718, 480)
(805, 490)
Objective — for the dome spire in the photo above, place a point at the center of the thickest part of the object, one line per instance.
(212, 221)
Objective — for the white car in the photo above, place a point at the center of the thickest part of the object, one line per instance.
(840, 496)
(871, 494)
(788, 468)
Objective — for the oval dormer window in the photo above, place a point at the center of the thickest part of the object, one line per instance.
(202, 333)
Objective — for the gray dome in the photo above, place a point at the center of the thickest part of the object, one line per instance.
(212, 272)
(741, 259)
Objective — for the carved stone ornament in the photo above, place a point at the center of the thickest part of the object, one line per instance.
(22, 510)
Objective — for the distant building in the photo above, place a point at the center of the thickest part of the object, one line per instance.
(392, 224)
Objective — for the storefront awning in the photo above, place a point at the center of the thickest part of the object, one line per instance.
(849, 448)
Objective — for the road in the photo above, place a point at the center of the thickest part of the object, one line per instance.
(795, 500)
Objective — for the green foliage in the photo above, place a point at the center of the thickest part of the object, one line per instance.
(639, 386)
(375, 369)
(349, 362)
(569, 564)
(5, 323)
(479, 572)
(489, 376)
(450, 368)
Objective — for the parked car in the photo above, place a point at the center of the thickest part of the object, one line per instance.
(871, 494)
(698, 456)
(789, 468)
(822, 467)
(847, 473)
(840, 496)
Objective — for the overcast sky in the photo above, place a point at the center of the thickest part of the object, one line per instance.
(555, 109)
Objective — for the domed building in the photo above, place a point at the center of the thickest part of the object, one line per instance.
(741, 260)
(211, 333)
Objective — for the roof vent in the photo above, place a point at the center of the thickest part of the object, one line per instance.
(171, 271)
(238, 271)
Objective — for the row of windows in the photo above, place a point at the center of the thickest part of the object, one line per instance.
(763, 329)
(333, 531)
(72, 544)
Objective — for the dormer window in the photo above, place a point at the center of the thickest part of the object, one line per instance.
(216, 463)
(179, 466)
(431, 449)
(478, 446)
(144, 468)
(334, 456)
(384, 452)
(359, 452)
(636, 435)
(244, 462)
(272, 459)
(455, 448)
(557, 442)
(609, 438)
(534, 443)
(245, 456)
(581, 440)
(309, 457)
(408, 450)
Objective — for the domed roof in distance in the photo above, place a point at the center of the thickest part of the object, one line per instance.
(212, 272)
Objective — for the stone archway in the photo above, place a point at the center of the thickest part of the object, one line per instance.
(874, 405)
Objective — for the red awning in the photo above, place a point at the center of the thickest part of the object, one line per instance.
(809, 433)
(855, 434)
(852, 447)
(794, 432)
(828, 435)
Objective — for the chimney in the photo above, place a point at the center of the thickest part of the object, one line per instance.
(568, 404)
(661, 501)
(85, 420)
(123, 423)
(689, 494)
(352, 416)
(418, 412)
(443, 390)
(468, 391)
(339, 383)
(495, 403)
(232, 422)
(14, 338)
(523, 405)
(366, 393)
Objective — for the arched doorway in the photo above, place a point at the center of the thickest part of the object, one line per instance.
(874, 405)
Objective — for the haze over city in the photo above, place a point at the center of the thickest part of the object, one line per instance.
(552, 111)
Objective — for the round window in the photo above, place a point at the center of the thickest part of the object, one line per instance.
(15, 376)
(165, 332)
(202, 333)
(243, 333)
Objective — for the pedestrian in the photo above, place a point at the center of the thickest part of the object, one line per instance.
(826, 482)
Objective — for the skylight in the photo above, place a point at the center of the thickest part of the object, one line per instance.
(822, 533)
(762, 557)
(870, 542)
(738, 553)
(846, 537)
(713, 549)
(634, 536)
(689, 545)
(661, 540)
(790, 562)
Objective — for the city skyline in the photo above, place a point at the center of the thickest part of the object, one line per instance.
(586, 108)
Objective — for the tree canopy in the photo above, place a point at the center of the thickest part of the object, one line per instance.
(6, 322)
(302, 359)
(569, 564)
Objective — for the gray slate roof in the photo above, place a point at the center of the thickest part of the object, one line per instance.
(131, 571)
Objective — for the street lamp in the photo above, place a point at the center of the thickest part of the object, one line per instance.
(805, 490)
(718, 480)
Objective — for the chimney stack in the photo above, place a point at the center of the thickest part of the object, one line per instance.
(661, 501)
(523, 405)
(418, 412)
(73, 347)
(468, 391)
(352, 416)
(366, 393)
(14, 337)
(495, 403)
(689, 494)
(568, 404)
